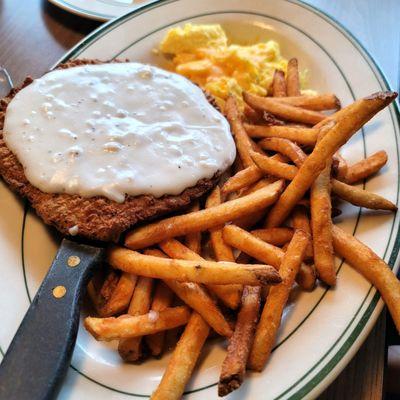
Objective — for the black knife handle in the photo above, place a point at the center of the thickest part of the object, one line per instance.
(40, 352)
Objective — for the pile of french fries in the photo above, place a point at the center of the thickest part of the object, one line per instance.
(265, 227)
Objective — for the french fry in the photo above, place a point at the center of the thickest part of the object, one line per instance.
(275, 236)
(183, 360)
(107, 289)
(131, 349)
(246, 177)
(229, 294)
(162, 299)
(251, 114)
(301, 221)
(201, 271)
(285, 147)
(360, 197)
(193, 240)
(242, 141)
(242, 179)
(270, 320)
(197, 298)
(234, 366)
(269, 119)
(223, 252)
(128, 327)
(120, 297)
(282, 110)
(318, 102)
(300, 135)
(339, 167)
(93, 288)
(273, 167)
(93, 295)
(251, 219)
(365, 168)
(203, 219)
(336, 130)
(321, 224)
(373, 268)
(279, 84)
(292, 78)
(265, 252)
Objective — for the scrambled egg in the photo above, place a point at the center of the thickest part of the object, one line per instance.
(202, 54)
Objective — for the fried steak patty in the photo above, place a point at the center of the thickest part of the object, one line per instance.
(97, 218)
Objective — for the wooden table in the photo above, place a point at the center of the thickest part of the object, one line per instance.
(35, 34)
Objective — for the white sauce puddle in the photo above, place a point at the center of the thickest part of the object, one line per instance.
(116, 129)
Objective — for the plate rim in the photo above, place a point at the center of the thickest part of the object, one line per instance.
(94, 15)
(369, 317)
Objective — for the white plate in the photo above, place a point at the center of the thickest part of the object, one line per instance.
(100, 10)
(322, 330)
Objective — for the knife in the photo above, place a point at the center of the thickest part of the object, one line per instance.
(38, 357)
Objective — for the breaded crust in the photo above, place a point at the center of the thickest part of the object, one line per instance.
(97, 218)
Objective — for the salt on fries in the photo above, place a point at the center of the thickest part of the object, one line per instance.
(278, 164)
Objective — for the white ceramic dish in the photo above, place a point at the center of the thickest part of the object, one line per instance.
(100, 10)
(322, 330)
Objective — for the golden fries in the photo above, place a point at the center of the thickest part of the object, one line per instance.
(229, 294)
(130, 349)
(277, 297)
(120, 296)
(365, 261)
(162, 299)
(275, 236)
(183, 360)
(273, 167)
(204, 219)
(318, 102)
(234, 366)
(251, 114)
(193, 240)
(265, 252)
(292, 78)
(365, 168)
(339, 166)
(247, 177)
(279, 84)
(301, 221)
(242, 141)
(336, 130)
(193, 290)
(305, 136)
(197, 298)
(242, 179)
(360, 197)
(222, 252)
(106, 290)
(321, 224)
(283, 110)
(211, 272)
(285, 147)
(127, 326)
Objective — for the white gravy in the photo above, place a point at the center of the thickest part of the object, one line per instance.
(116, 130)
